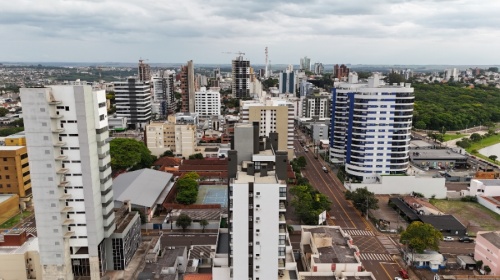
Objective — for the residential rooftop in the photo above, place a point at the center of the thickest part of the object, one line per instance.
(332, 245)
(493, 237)
(423, 154)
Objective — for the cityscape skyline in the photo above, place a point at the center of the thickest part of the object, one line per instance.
(433, 32)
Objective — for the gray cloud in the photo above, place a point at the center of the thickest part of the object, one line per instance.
(368, 31)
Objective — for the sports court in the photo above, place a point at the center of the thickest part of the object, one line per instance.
(212, 194)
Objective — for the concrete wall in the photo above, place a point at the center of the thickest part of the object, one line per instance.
(405, 185)
(486, 203)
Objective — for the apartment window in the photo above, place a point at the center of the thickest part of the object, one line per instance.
(6, 168)
(45, 137)
(42, 110)
(47, 152)
(4, 159)
(67, 108)
(7, 176)
(52, 205)
(54, 218)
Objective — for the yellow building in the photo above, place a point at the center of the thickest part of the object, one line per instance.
(160, 137)
(9, 206)
(17, 139)
(15, 173)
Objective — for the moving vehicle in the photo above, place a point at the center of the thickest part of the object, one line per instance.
(306, 150)
(448, 238)
(466, 239)
(325, 169)
(403, 273)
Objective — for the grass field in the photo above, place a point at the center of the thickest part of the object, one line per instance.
(15, 220)
(448, 137)
(469, 212)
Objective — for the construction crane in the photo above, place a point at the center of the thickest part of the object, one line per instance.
(238, 53)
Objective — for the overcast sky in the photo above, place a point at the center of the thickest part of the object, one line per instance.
(327, 31)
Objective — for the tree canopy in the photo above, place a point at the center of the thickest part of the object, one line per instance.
(309, 203)
(362, 199)
(420, 236)
(454, 107)
(183, 221)
(129, 154)
(187, 188)
(3, 112)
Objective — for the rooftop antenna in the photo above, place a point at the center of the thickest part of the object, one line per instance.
(266, 73)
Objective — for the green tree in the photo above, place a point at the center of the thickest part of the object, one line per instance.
(479, 264)
(187, 189)
(309, 203)
(301, 162)
(129, 153)
(475, 137)
(270, 82)
(493, 158)
(168, 154)
(362, 199)
(394, 77)
(191, 175)
(420, 236)
(3, 112)
(183, 221)
(196, 156)
(487, 269)
(203, 224)
(420, 125)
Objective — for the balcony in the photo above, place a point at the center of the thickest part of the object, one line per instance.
(282, 219)
(282, 207)
(67, 209)
(59, 144)
(69, 234)
(59, 158)
(63, 184)
(55, 102)
(58, 130)
(65, 196)
(68, 222)
(55, 117)
(62, 171)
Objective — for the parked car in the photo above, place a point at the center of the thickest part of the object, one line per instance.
(398, 278)
(403, 273)
(325, 169)
(466, 239)
(448, 238)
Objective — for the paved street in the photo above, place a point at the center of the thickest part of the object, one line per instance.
(374, 254)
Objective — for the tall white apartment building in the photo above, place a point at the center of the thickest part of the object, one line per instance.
(371, 127)
(258, 238)
(67, 137)
(274, 115)
(133, 101)
(185, 140)
(305, 63)
(451, 73)
(207, 102)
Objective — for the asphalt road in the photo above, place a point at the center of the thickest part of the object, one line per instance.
(374, 255)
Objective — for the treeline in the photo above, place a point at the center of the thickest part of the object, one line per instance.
(454, 107)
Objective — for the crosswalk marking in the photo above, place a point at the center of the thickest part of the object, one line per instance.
(375, 257)
(358, 232)
(28, 229)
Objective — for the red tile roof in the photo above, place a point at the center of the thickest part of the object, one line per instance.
(197, 276)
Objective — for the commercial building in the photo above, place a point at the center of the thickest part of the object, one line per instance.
(273, 116)
(287, 82)
(187, 88)
(15, 173)
(133, 101)
(487, 192)
(259, 247)
(207, 102)
(487, 249)
(371, 127)
(438, 158)
(68, 143)
(240, 77)
(19, 256)
(18, 139)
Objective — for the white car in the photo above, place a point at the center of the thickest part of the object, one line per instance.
(398, 278)
(448, 238)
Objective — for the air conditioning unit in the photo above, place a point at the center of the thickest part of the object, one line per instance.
(257, 234)
(257, 221)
